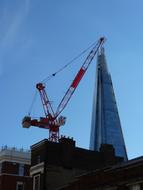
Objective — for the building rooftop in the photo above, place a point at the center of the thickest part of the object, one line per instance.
(15, 155)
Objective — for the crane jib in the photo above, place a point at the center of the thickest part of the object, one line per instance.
(78, 78)
(86, 64)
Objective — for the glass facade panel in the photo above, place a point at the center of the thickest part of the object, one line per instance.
(105, 127)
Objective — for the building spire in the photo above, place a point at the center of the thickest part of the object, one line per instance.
(105, 126)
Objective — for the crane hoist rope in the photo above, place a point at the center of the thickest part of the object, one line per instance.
(68, 63)
(52, 120)
(32, 103)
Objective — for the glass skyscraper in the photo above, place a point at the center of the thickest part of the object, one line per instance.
(105, 126)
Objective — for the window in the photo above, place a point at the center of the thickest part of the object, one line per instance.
(135, 187)
(36, 182)
(38, 159)
(0, 168)
(21, 170)
(20, 185)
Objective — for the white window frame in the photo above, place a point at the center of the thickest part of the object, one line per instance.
(19, 183)
(135, 186)
(34, 177)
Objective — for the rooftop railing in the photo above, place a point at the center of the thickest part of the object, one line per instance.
(3, 148)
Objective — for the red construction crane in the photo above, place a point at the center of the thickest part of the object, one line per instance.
(52, 120)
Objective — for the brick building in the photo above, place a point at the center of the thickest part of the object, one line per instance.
(54, 165)
(123, 176)
(63, 166)
(14, 169)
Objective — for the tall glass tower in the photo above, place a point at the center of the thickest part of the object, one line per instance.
(105, 126)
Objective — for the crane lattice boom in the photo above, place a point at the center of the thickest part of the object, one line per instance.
(79, 76)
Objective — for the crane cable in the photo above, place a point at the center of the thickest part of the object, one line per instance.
(32, 104)
(68, 63)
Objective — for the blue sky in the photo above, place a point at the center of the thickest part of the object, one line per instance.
(39, 37)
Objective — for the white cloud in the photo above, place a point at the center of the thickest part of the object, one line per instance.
(27, 7)
(15, 22)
